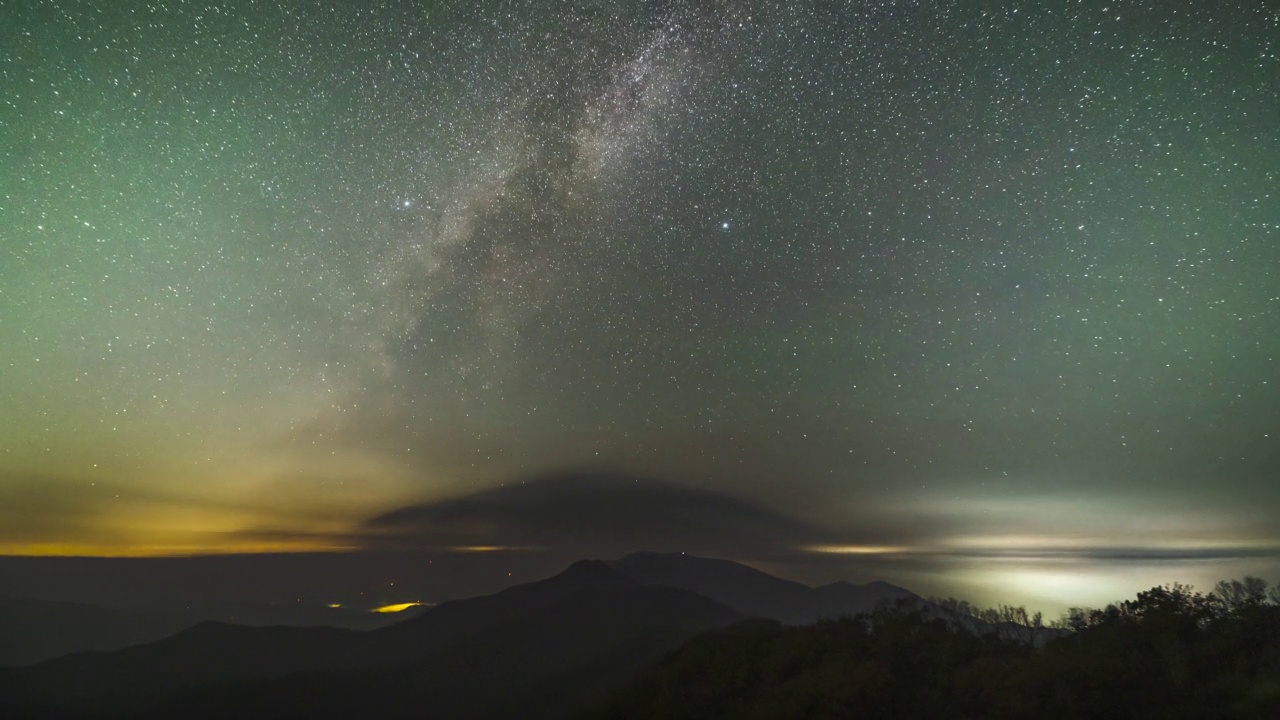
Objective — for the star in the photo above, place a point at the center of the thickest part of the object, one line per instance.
(420, 259)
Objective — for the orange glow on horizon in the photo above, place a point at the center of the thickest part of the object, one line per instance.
(158, 551)
(233, 547)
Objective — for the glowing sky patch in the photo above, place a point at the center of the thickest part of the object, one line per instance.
(856, 549)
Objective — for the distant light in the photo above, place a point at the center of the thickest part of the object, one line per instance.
(724, 225)
(397, 607)
(334, 606)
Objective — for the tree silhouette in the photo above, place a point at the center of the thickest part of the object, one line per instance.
(1235, 595)
(1170, 652)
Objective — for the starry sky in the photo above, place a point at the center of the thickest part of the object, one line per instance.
(980, 298)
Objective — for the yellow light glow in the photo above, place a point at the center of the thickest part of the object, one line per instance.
(397, 607)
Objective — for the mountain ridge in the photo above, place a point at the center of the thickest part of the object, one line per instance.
(596, 618)
(756, 592)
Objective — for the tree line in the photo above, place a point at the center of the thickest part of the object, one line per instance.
(1227, 597)
(1170, 652)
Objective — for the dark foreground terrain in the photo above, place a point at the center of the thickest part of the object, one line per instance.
(1168, 654)
(544, 649)
(674, 636)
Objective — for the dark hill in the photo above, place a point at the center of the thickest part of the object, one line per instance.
(900, 666)
(34, 630)
(531, 641)
(207, 653)
(542, 649)
(1169, 654)
(542, 662)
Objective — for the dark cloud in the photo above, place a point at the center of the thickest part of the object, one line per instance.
(596, 514)
(604, 514)
(1140, 554)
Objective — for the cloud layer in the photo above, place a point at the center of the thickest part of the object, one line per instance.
(597, 514)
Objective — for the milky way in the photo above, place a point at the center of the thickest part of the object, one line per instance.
(998, 286)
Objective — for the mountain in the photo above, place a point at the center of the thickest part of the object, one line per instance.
(525, 649)
(33, 630)
(753, 592)
(210, 652)
(546, 649)
(548, 662)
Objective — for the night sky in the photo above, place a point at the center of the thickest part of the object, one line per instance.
(983, 301)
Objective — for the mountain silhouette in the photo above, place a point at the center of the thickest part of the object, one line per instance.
(546, 649)
(514, 652)
(544, 663)
(753, 592)
(34, 630)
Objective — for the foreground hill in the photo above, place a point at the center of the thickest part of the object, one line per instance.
(1170, 654)
(903, 667)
